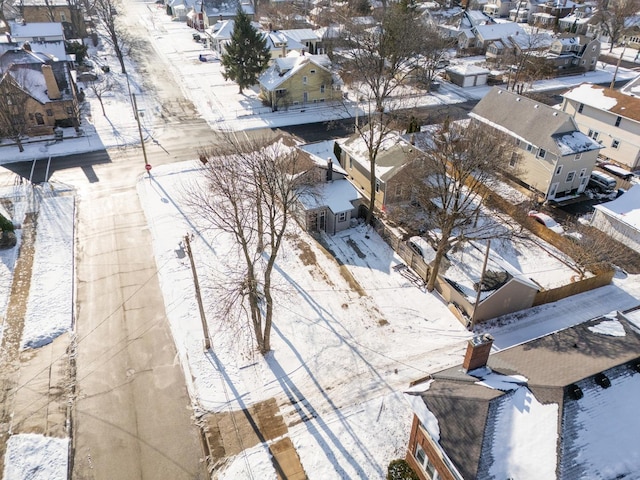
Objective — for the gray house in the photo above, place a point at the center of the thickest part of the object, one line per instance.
(552, 157)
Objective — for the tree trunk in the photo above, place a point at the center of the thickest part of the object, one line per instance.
(20, 147)
(372, 187)
(441, 250)
(102, 106)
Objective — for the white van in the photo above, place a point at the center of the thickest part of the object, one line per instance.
(602, 182)
(422, 248)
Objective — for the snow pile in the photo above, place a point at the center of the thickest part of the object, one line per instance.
(36, 457)
(609, 327)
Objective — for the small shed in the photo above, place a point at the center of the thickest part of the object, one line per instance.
(468, 75)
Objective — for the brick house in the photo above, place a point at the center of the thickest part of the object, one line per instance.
(68, 13)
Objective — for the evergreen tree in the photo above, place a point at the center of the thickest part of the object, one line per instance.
(246, 56)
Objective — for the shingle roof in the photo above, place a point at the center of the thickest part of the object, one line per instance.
(466, 411)
(606, 99)
(533, 122)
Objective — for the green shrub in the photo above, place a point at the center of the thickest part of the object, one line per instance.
(401, 470)
(6, 225)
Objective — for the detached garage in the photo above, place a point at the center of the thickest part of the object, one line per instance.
(468, 75)
(620, 218)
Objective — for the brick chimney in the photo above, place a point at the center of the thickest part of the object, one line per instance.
(53, 92)
(329, 169)
(478, 350)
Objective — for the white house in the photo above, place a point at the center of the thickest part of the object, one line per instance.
(46, 37)
(609, 117)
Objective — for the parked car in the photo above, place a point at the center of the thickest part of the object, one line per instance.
(547, 221)
(616, 170)
(422, 248)
(602, 182)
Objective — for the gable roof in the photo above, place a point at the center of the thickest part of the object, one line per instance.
(40, 29)
(532, 122)
(284, 68)
(606, 99)
(527, 399)
(496, 31)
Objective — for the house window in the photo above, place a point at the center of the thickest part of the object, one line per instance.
(554, 189)
(583, 172)
(304, 80)
(559, 170)
(529, 147)
(542, 153)
(377, 186)
(514, 159)
(39, 119)
(618, 120)
(321, 88)
(49, 112)
(426, 465)
(342, 217)
(398, 190)
(580, 108)
(615, 144)
(593, 134)
(578, 156)
(518, 142)
(350, 163)
(63, 17)
(570, 176)
(312, 71)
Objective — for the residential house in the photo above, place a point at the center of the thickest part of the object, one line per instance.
(631, 38)
(498, 8)
(299, 80)
(578, 20)
(280, 45)
(308, 38)
(216, 12)
(552, 157)
(524, 9)
(334, 202)
(549, 13)
(556, 407)
(42, 37)
(609, 117)
(483, 35)
(516, 45)
(52, 99)
(571, 53)
(69, 14)
(620, 218)
(391, 182)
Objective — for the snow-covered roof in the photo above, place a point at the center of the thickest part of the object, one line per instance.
(498, 30)
(338, 196)
(28, 31)
(321, 152)
(625, 208)
(301, 35)
(284, 68)
(467, 69)
(606, 99)
(522, 422)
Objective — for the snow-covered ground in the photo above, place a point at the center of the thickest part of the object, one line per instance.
(347, 356)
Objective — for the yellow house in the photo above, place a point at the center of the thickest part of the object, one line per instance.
(41, 91)
(296, 81)
(69, 14)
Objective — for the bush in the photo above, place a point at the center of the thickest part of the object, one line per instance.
(6, 225)
(401, 470)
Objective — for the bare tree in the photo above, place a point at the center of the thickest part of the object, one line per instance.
(14, 117)
(251, 188)
(434, 53)
(613, 17)
(107, 14)
(99, 88)
(453, 171)
(526, 63)
(377, 61)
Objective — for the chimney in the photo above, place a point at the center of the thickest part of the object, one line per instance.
(53, 92)
(302, 52)
(270, 27)
(26, 46)
(412, 139)
(329, 170)
(478, 350)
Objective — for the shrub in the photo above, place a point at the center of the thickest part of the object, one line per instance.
(401, 470)
(6, 225)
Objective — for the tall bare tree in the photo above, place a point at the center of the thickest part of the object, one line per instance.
(107, 13)
(14, 117)
(250, 190)
(99, 88)
(454, 169)
(378, 60)
(613, 17)
(526, 63)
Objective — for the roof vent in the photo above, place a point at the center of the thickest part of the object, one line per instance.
(602, 380)
(536, 106)
(518, 99)
(575, 391)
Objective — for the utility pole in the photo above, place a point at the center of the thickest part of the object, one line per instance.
(203, 319)
(613, 80)
(137, 115)
(484, 269)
